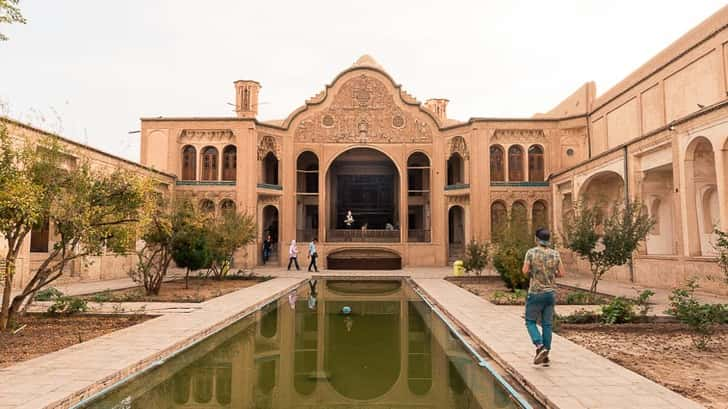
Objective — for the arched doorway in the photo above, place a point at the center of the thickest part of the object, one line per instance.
(365, 181)
(603, 190)
(269, 226)
(307, 196)
(456, 232)
(703, 207)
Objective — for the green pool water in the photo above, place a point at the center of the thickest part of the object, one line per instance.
(390, 351)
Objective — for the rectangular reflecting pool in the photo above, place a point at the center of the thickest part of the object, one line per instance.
(330, 344)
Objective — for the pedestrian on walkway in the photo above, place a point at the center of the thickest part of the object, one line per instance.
(293, 255)
(267, 246)
(313, 255)
(542, 265)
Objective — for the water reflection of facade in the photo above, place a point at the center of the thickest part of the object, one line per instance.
(293, 359)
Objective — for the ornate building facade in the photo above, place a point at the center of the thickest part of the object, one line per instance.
(419, 184)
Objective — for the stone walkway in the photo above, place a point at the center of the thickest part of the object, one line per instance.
(64, 377)
(577, 378)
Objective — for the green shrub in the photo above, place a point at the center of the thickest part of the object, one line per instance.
(517, 296)
(701, 318)
(48, 294)
(68, 305)
(102, 297)
(512, 241)
(476, 257)
(643, 301)
(619, 311)
(578, 317)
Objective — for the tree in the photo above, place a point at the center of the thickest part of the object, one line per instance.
(9, 14)
(227, 234)
(607, 239)
(30, 178)
(190, 247)
(476, 257)
(511, 244)
(91, 212)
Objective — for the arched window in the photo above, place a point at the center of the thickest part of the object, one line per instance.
(455, 170)
(515, 164)
(519, 218)
(539, 215)
(229, 162)
(307, 173)
(498, 218)
(209, 163)
(270, 169)
(535, 164)
(497, 164)
(227, 205)
(418, 197)
(189, 163)
(207, 206)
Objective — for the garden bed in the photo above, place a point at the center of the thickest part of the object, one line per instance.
(492, 288)
(664, 353)
(44, 334)
(200, 289)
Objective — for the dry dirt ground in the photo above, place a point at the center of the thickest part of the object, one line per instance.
(45, 334)
(174, 291)
(496, 292)
(663, 353)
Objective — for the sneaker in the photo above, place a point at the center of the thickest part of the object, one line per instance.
(546, 361)
(538, 351)
(541, 354)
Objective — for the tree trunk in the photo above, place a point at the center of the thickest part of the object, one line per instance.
(7, 288)
(187, 278)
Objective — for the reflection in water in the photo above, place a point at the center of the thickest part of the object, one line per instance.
(391, 351)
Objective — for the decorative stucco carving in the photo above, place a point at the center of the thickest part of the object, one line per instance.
(530, 197)
(266, 144)
(458, 200)
(519, 135)
(458, 145)
(363, 111)
(265, 200)
(206, 135)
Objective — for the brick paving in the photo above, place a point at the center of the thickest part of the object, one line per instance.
(577, 377)
(62, 378)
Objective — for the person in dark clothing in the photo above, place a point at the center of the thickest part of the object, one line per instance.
(267, 247)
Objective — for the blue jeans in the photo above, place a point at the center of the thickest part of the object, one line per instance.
(540, 306)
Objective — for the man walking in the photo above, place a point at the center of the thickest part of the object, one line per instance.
(313, 255)
(542, 264)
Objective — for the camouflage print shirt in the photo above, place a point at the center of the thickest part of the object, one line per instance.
(544, 264)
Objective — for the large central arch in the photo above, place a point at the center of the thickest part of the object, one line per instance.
(367, 182)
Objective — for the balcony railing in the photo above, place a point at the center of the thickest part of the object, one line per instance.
(205, 183)
(269, 186)
(306, 235)
(457, 186)
(520, 184)
(367, 236)
(418, 236)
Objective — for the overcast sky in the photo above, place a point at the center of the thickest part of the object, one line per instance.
(90, 69)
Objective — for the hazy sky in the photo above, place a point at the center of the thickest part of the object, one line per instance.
(90, 69)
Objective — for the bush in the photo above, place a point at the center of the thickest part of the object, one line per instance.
(619, 311)
(512, 242)
(102, 297)
(476, 257)
(509, 298)
(68, 305)
(48, 294)
(578, 317)
(643, 301)
(721, 244)
(701, 318)
(583, 298)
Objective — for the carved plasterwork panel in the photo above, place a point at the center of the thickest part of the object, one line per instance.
(458, 145)
(519, 135)
(458, 200)
(363, 111)
(206, 135)
(266, 144)
(510, 196)
(214, 195)
(265, 200)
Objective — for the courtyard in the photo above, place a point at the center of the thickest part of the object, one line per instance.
(173, 234)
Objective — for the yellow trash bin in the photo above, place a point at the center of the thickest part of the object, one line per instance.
(457, 268)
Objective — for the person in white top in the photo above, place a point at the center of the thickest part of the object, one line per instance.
(293, 255)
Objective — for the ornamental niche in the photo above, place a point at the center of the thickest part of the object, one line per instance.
(206, 135)
(363, 111)
(459, 146)
(519, 135)
(266, 144)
